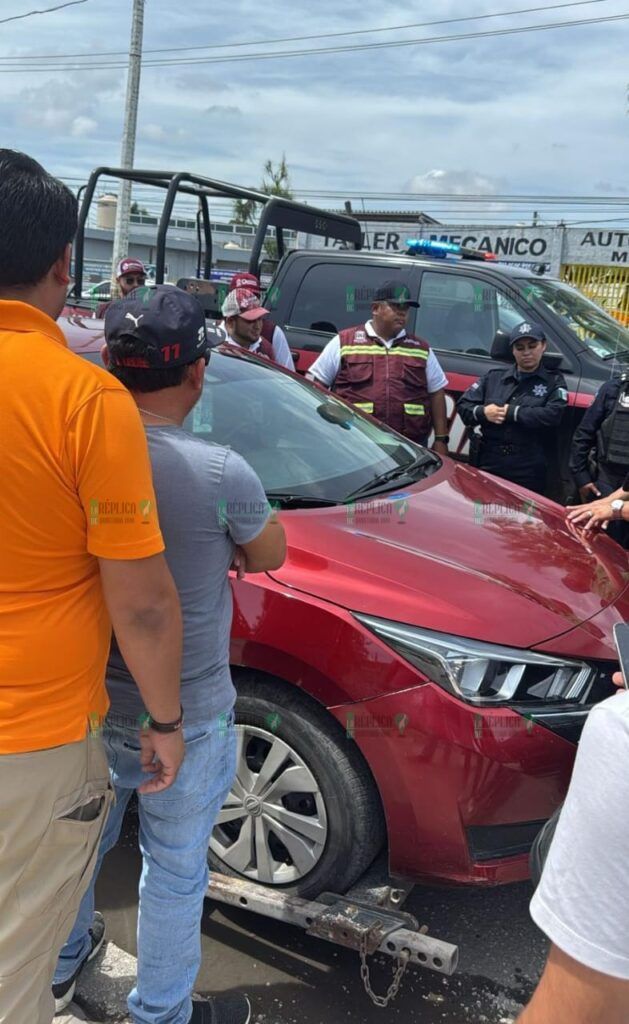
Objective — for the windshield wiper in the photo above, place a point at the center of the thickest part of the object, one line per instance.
(425, 459)
(621, 354)
(286, 499)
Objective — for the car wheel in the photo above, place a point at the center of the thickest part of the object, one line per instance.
(303, 813)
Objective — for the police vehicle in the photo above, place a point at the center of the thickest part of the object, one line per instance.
(469, 301)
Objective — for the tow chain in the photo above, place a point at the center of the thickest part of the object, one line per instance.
(403, 959)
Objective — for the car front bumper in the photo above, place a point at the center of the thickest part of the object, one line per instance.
(464, 790)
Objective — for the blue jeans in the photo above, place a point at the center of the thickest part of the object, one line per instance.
(175, 829)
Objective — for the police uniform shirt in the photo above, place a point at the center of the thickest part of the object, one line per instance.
(327, 365)
(536, 403)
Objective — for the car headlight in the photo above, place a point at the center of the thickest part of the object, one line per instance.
(481, 673)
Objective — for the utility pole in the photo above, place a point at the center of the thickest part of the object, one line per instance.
(121, 230)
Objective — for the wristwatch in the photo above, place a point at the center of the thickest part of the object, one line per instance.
(617, 506)
(442, 437)
(148, 722)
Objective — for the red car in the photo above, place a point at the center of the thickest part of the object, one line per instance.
(418, 671)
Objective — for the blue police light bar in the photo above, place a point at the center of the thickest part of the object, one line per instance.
(429, 247)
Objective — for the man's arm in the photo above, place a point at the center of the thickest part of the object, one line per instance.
(258, 536)
(267, 550)
(582, 901)
(570, 993)
(439, 420)
(143, 605)
(327, 365)
(437, 382)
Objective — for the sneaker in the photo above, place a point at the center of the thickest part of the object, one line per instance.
(64, 991)
(227, 1009)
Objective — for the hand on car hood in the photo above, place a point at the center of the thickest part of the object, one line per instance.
(460, 552)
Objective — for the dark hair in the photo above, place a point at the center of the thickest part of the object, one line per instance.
(38, 217)
(137, 378)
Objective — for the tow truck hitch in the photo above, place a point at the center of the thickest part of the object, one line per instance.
(368, 918)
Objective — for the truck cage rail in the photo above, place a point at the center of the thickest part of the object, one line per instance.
(277, 212)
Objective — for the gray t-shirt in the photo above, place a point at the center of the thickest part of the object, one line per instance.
(582, 901)
(209, 499)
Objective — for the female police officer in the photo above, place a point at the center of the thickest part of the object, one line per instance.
(517, 410)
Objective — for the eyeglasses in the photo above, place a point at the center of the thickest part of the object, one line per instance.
(134, 279)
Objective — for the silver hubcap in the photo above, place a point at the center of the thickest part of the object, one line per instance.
(273, 826)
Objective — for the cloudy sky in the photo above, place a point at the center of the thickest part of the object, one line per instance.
(540, 112)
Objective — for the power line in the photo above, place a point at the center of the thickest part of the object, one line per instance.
(46, 10)
(427, 197)
(422, 41)
(324, 35)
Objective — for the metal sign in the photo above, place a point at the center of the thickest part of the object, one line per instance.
(519, 244)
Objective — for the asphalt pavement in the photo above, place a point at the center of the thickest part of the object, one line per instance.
(292, 978)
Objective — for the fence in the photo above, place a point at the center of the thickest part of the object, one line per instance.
(607, 286)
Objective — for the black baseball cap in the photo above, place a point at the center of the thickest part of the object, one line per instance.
(167, 323)
(527, 329)
(394, 291)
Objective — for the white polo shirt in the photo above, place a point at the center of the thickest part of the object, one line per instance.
(281, 352)
(328, 364)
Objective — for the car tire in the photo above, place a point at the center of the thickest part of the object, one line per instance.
(347, 799)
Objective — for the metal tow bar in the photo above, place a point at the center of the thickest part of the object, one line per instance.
(356, 923)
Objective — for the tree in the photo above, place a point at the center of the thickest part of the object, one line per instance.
(141, 211)
(275, 182)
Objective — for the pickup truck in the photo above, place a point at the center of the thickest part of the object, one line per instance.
(467, 308)
(467, 305)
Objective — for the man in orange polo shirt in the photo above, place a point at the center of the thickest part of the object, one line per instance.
(80, 550)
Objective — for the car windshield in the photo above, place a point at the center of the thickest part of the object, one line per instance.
(301, 441)
(596, 328)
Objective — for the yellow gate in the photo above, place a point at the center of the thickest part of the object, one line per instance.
(607, 286)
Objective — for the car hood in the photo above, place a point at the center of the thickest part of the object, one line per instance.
(459, 552)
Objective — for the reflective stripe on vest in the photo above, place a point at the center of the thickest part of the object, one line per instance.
(375, 382)
(381, 350)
